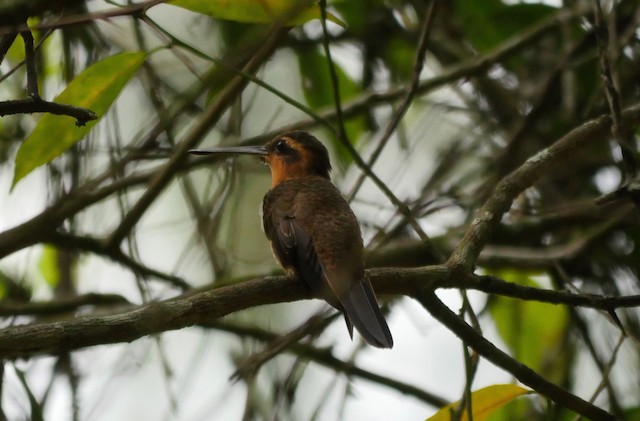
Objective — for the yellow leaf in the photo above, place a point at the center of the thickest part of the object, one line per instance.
(483, 402)
(257, 11)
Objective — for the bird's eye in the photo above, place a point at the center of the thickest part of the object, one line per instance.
(281, 146)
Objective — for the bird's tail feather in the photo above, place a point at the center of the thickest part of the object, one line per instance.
(361, 309)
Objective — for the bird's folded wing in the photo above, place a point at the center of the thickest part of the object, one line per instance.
(296, 247)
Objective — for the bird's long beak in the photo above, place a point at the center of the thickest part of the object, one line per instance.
(246, 150)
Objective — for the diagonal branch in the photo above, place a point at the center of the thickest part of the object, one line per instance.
(344, 140)
(544, 163)
(326, 358)
(523, 373)
(621, 135)
(407, 100)
(99, 248)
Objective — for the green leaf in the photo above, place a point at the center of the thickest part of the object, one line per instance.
(483, 402)
(399, 55)
(632, 414)
(256, 11)
(358, 14)
(490, 22)
(534, 331)
(316, 80)
(95, 88)
(48, 265)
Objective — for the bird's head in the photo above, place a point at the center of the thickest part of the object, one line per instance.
(296, 155)
(290, 156)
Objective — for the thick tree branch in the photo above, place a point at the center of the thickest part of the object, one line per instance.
(52, 338)
(205, 306)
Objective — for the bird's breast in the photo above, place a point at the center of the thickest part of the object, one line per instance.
(318, 208)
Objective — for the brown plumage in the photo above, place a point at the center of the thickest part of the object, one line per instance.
(313, 231)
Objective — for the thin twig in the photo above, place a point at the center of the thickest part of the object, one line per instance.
(618, 129)
(30, 60)
(316, 118)
(44, 36)
(34, 103)
(62, 305)
(335, 82)
(326, 358)
(38, 105)
(409, 95)
(471, 360)
(395, 120)
(493, 285)
(100, 248)
(344, 140)
(131, 10)
(609, 367)
(250, 366)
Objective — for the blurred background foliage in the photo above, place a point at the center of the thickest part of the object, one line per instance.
(502, 80)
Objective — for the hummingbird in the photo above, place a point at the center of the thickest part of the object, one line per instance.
(313, 232)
